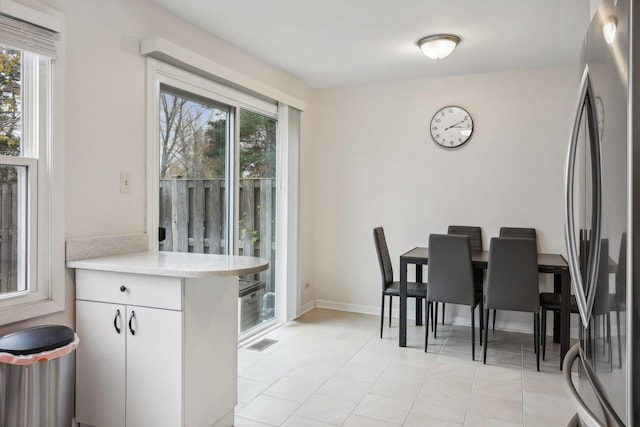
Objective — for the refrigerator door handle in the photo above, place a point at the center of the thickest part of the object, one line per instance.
(584, 296)
(586, 415)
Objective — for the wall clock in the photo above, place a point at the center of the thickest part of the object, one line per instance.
(451, 126)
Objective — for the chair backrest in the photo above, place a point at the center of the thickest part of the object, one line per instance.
(383, 257)
(519, 232)
(474, 234)
(512, 279)
(450, 269)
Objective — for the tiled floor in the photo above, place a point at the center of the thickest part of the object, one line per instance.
(330, 368)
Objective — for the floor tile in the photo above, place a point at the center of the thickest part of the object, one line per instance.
(489, 406)
(326, 409)
(479, 421)
(397, 389)
(294, 389)
(360, 421)
(344, 388)
(248, 389)
(268, 410)
(330, 368)
(297, 421)
(383, 408)
(422, 420)
(245, 422)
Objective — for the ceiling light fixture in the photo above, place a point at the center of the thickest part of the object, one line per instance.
(609, 29)
(438, 46)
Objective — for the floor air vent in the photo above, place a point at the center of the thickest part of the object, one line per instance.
(262, 344)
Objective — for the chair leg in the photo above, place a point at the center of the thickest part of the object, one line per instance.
(426, 329)
(604, 328)
(382, 316)
(536, 334)
(619, 340)
(430, 308)
(494, 319)
(418, 311)
(390, 308)
(435, 323)
(543, 333)
(443, 304)
(486, 336)
(480, 318)
(609, 339)
(473, 333)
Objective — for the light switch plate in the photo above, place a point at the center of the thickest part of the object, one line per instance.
(125, 182)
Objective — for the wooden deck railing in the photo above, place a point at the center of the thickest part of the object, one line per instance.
(193, 213)
(8, 242)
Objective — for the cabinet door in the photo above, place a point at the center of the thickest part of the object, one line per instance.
(154, 367)
(100, 364)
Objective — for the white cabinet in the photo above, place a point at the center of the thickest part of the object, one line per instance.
(155, 351)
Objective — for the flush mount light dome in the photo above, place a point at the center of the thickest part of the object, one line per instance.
(438, 46)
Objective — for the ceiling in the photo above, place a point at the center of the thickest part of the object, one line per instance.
(334, 43)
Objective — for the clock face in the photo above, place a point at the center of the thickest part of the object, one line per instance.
(451, 126)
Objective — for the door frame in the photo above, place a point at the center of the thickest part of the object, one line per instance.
(287, 236)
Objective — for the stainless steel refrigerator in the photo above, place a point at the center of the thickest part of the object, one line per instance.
(602, 195)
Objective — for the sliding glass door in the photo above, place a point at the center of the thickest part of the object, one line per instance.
(257, 204)
(217, 187)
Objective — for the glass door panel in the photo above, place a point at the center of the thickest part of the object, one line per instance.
(194, 136)
(257, 210)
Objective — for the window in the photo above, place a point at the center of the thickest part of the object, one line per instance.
(28, 284)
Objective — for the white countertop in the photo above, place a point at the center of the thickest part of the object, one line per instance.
(175, 264)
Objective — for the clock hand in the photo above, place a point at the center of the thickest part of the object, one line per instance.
(456, 124)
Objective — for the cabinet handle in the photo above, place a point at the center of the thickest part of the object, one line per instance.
(123, 288)
(133, 315)
(115, 321)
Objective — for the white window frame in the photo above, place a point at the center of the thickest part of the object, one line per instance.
(42, 176)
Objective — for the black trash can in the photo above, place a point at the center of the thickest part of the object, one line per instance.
(37, 377)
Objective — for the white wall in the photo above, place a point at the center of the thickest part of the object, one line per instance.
(106, 113)
(375, 164)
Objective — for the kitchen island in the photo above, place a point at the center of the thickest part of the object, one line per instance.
(158, 335)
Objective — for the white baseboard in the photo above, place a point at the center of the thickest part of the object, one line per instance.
(305, 308)
(454, 317)
(353, 308)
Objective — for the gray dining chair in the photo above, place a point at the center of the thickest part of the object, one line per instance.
(523, 232)
(512, 283)
(475, 243)
(552, 301)
(390, 287)
(451, 279)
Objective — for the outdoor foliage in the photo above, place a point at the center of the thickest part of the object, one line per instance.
(10, 109)
(193, 141)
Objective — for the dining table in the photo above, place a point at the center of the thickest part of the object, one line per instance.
(554, 264)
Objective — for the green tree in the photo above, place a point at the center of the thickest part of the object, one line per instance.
(257, 146)
(10, 108)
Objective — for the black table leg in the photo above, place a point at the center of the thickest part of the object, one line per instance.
(418, 300)
(557, 288)
(403, 302)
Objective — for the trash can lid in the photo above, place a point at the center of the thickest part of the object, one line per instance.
(36, 340)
